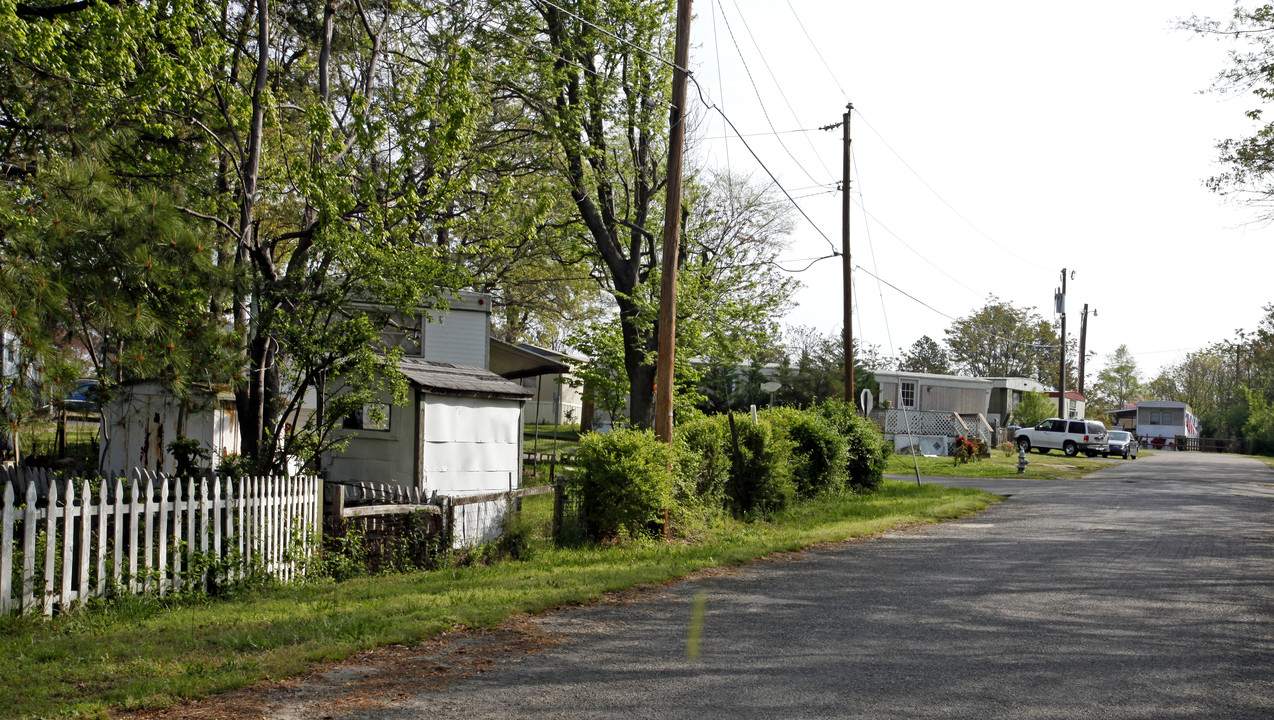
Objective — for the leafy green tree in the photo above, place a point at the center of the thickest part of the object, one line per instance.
(1000, 340)
(926, 356)
(1118, 383)
(1033, 408)
(317, 145)
(1249, 160)
(813, 370)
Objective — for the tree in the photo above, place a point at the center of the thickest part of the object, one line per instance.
(813, 370)
(316, 144)
(1118, 383)
(1032, 408)
(1000, 340)
(926, 356)
(1249, 160)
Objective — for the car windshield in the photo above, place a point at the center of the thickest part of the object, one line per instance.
(1118, 435)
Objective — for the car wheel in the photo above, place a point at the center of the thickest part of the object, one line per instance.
(1070, 448)
(1024, 444)
(1126, 455)
(1105, 454)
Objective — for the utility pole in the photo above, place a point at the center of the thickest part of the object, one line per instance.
(1083, 340)
(672, 229)
(1060, 300)
(847, 265)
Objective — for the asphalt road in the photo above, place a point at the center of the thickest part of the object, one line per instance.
(1142, 591)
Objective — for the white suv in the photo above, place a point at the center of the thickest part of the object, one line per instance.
(1070, 436)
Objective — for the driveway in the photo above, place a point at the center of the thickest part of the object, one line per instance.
(1141, 591)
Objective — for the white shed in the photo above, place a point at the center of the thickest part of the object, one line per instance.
(460, 433)
(142, 418)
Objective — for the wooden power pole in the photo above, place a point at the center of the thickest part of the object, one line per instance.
(847, 264)
(672, 229)
(1083, 340)
(1061, 386)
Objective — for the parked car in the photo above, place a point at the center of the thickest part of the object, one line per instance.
(1070, 436)
(83, 398)
(1122, 443)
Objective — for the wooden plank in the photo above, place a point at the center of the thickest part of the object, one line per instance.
(217, 529)
(86, 538)
(163, 537)
(29, 522)
(117, 549)
(50, 548)
(6, 549)
(68, 546)
(103, 490)
(148, 508)
(396, 509)
(502, 495)
(134, 514)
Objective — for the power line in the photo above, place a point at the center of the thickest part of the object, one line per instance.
(844, 94)
(778, 85)
(920, 255)
(775, 180)
(764, 111)
(942, 199)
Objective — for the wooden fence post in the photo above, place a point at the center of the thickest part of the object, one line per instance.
(559, 506)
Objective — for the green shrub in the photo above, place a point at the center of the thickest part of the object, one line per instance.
(760, 476)
(817, 450)
(704, 458)
(623, 482)
(867, 451)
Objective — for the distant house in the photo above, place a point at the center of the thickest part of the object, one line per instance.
(1076, 404)
(1165, 421)
(930, 411)
(1006, 393)
(547, 374)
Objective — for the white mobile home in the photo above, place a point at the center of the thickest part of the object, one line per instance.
(1165, 420)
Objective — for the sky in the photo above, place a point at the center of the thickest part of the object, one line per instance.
(994, 144)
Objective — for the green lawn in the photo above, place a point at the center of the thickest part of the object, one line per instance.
(1053, 466)
(141, 653)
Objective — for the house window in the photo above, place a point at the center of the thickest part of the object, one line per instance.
(1154, 418)
(373, 416)
(907, 394)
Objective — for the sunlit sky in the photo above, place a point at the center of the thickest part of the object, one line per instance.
(994, 144)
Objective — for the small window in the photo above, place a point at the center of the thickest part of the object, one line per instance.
(373, 416)
(907, 394)
(1077, 428)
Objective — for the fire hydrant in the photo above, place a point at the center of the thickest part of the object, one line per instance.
(1022, 462)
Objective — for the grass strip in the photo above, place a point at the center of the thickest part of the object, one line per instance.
(140, 653)
(1053, 466)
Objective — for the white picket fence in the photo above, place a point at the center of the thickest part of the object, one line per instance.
(65, 541)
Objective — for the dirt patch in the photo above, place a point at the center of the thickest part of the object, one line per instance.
(371, 679)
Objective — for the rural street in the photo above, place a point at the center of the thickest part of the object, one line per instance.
(1142, 591)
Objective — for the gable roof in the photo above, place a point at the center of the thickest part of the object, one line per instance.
(448, 379)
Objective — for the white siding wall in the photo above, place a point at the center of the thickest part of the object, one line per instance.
(379, 456)
(458, 337)
(472, 446)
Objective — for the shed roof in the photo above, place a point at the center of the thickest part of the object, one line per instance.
(448, 379)
(933, 379)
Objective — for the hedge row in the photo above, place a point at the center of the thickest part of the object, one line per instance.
(627, 478)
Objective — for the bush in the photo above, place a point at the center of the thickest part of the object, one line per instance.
(623, 482)
(760, 476)
(704, 458)
(866, 450)
(817, 450)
